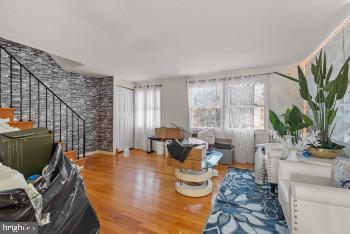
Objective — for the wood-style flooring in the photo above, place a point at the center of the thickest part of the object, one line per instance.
(137, 195)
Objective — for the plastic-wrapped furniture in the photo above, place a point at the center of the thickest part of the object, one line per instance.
(65, 205)
(273, 153)
(309, 203)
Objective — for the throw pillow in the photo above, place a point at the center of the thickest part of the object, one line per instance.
(341, 173)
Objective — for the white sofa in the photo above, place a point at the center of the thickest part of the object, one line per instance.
(310, 204)
(273, 154)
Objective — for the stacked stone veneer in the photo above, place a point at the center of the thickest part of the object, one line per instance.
(91, 98)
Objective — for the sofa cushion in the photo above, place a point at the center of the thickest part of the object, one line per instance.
(341, 173)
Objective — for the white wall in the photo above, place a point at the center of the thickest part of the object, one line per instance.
(174, 109)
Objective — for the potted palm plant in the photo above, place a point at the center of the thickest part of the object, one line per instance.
(323, 104)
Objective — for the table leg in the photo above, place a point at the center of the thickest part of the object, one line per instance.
(150, 146)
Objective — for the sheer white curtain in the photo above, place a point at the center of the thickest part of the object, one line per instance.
(232, 108)
(147, 114)
(239, 116)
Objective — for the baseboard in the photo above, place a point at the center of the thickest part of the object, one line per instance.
(87, 154)
(104, 152)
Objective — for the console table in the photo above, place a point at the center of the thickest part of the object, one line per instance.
(154, 138)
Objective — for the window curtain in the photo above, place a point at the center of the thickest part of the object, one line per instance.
(227, 107)
(147, 114)
(239, 116)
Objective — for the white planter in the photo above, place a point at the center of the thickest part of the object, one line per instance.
(260, 170)
(160, 148)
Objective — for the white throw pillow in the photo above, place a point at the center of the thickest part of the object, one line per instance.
(341, 173)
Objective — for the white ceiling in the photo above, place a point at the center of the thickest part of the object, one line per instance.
(140, 40)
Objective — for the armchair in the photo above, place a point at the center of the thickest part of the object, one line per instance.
(273, 154)
(309, 203)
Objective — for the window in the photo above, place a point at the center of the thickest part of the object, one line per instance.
(237, 103)
(205, 104)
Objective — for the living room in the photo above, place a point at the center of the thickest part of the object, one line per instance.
(175, 116)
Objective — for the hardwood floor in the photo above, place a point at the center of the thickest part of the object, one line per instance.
(137, 195)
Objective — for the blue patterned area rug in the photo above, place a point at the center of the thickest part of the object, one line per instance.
(242, 206)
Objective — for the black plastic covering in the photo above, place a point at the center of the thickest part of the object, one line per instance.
(180, 151)
(64, 200)
(221, 145)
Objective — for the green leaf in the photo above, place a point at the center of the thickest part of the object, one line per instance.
(303, 87)
(280, 127)
(331, 95)
(314, 107)
(329, 74)
(330, 85)
(288, 77)
(308, 121)
(286, 116)
(324, 69)
(320, 96)
(315, 72)
(331, 115)
(295, 118)
(342, 81)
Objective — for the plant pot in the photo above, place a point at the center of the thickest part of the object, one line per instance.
(324, 153)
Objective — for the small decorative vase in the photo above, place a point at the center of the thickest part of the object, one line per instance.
(292, 155)
(289, 141)
(292, 152)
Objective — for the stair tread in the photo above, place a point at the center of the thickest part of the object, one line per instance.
(23, 125)
(17, 121)
(7, 113)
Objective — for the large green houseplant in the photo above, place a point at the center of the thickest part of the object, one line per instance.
(323, 104)
(293, 121)
(289, 129)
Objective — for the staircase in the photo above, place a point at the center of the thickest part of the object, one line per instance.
(29, 103)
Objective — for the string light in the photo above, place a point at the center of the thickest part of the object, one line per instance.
(328, 39)
(318, 49)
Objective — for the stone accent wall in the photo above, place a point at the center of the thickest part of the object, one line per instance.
(91, 98)
(105, 114)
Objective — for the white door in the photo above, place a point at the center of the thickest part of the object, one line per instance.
(123, 118)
